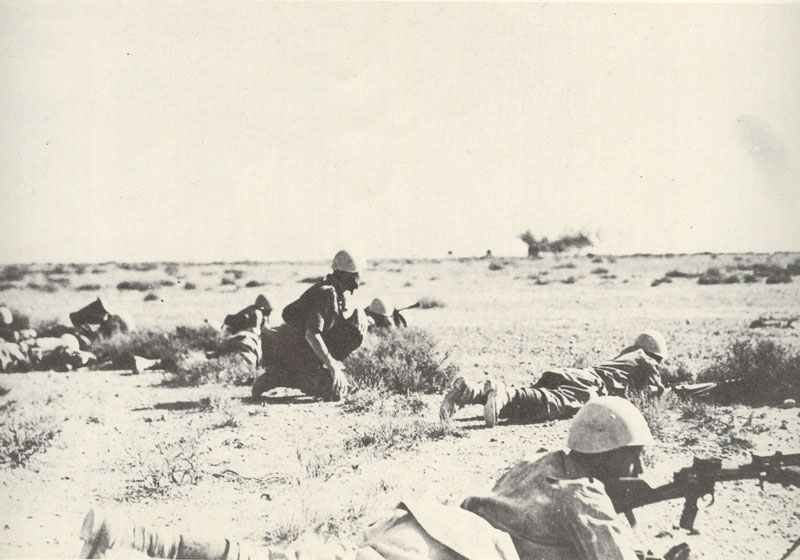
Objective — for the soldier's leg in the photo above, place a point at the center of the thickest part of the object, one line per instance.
(555, 396)
(461, 393)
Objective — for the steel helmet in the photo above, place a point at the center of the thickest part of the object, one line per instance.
(380, 307)
(607, 423)
(344, 262)
(263, 303)
(652, 342)
(6, 317)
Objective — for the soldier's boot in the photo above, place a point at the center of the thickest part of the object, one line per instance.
(99, 534)
(498, 399)
(270, 379)
(93, 314)
(462, 393)
(140, 364)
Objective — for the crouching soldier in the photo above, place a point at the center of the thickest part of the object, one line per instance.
(381, 316)
(305, 352)
(560, 393)
(243, 331)
(555, 507)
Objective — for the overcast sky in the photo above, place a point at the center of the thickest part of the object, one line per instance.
(223, 131)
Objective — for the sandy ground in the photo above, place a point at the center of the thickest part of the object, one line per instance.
(253, 458)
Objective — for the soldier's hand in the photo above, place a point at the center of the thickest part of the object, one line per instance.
(340, 385)
(678, 552)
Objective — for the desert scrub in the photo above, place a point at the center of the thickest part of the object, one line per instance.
(192, 367)
(167, 346)
(399, 433)
(378, 401)
(23, 434)
(674, 372)
(168, 464)
(755, 373)
(401, 361)
(430, 303)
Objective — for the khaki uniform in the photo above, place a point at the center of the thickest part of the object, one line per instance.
(542, 510)
(289, 360)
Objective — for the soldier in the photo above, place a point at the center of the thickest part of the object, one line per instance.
(66, 347)
(560, 393)
(306, 351)
(244, 330)
(382, 315)
(555, 507)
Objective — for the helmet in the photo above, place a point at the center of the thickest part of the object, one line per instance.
(607, 423)
(344, 262)
(380, 307)
(6, 317)
(652, 342)
(263, 303)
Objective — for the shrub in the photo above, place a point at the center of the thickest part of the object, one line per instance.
(151, 297)
(779, 277)
(679, 274)
(674, 372)
(167, 464)
(190, 286)
(236, 273)
(495, 265)
(378, 401)
(194, 368)
(569, 280)
(600, 270)
(23, 435)
(430, 303)
(714, 276)
(402, 361)
(49, 287)
(254, 284)
(5, 286)
(168, 346)
(140, 267)
(659, 281)
(227, 282)
(399, 433)
(135, 285)
(50, 327)
(755, 373)
(566, 265)
(88, 287)
(13, 273)
(656, 410)
(311, 279)
(793, 267)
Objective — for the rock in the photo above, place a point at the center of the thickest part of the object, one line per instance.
(789, 403)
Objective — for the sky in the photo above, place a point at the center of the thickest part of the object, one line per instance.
(229, 131)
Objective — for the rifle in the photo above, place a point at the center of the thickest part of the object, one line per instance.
(695, 482)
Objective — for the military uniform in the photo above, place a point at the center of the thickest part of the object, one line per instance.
(561, 392)
(288, 358)
(548, 509)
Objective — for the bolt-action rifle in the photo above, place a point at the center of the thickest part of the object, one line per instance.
(696, 482)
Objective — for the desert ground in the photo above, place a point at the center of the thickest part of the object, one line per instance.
(286, 467)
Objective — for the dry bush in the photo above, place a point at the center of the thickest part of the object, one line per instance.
(714, 276)
(679, 274)
(254, 284)
(659, 281)
(140, 267)
(657, 410)
(399, 433)
(569, 280)
(13, 273)
(779, 277)
(88, 287)
(151, 297)
(135, 285)
(496, 265)
(166, 465)
(755, 373)
(194, 368)
(402, 361)
(383, 403)
(167, 346)
(565, 265)
(311, 279)
(600, 270)
(227, 282)
(430, 303)
(235, 272)
(675, 372)
(190, 286)
(50, 287)
(23, 434)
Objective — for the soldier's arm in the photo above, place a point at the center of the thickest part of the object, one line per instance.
(596, 529)
(324, 309)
